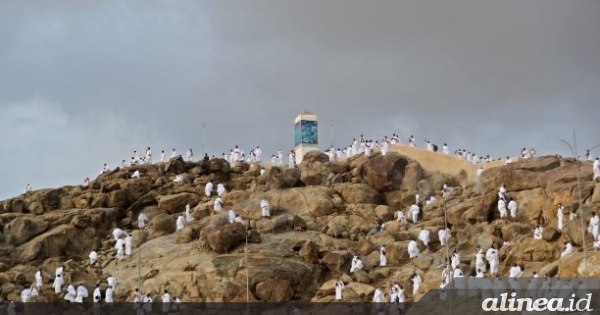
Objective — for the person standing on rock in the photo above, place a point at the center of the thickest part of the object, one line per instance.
(444, 236)
(537, 233)
(401, 218)
(220, 189)
(356, 264)
(188, 214)
(378, 296)
(413, 250)
(180, 222)
(455, 260)
(97, 292)
(142, 220)
(128, 244)
(291, 159)
(494, 263)
(596, 170)
(148, 303)
(189, 155)
(166, 299)
(416, 284)
(339, 288)
(414, 212)
(424, 237)
(594, 225)
(559, 216)
(93, 256)
(502, 192)
(502, 208)
(208, 188)
(512, 206)
(382, 257)
(39, 280)
(265, 208)
(394, 292)
(480, 264)
(108, 298)
(121, 253)
(515, 271)
(162, 156)
(568, 249)
(218, 205)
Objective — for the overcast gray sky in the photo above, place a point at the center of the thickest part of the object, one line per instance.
(87, 82)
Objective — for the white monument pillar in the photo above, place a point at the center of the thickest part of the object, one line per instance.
(306, 134)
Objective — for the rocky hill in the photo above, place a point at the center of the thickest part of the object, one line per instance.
(322, 214)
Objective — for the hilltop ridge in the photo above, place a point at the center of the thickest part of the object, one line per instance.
(322, 214)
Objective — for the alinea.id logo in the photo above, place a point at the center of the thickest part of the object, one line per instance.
(505, 304)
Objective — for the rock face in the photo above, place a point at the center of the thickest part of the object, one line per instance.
(322, 214)
(222, 239)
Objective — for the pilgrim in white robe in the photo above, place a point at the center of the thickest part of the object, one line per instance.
(382, 257)
(416, 284)
(413, 249)
(265, 208)
(148, 304)
(559, 216)
(218, 204)
(25, 295)
(121, 253)
(414, 212)
(180, 222)
(444, 236)
(594, 225)
(537, 233)
(119, 244)
(166, 299)
(455, 260)
(82, 294)
(142, 220)
(356, 264)
(221, 189)
(71, 293)
(135, 174)
(424, 237)
(568, 250)
(39, 280)
(57, 284)
(494, 263)
(515, 272)
(128, 245)
(108, 295)
(339, 287)
(188, 215)
(480, 262)
(378, 296)
(117, 233)
(512, 206)
(502, 208)
(97, 292)
(208, 188)
(93, 257)
(596, 169)
(232, 215)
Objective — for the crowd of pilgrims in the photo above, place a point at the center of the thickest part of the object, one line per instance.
(484, 260)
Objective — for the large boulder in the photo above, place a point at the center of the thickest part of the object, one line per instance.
(64, 240)
(162, 224)
(337, 262)
(22, 229)
(385, 172)
(314, 200)
(223, 238)
(359, 193)
(574, 265)
(177, 202)
(313, 173)
(276, 290)
(315, 156)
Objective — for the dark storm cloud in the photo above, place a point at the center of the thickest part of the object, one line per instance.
(85, 83)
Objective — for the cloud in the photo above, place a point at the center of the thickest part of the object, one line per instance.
(46, 146)
(87, 83)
